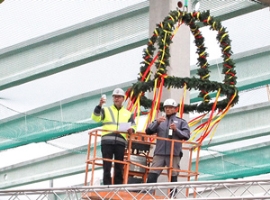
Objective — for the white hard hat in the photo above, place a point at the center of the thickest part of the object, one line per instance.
(119, 92)
(170, 102)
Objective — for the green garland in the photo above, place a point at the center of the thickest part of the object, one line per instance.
(163, 36)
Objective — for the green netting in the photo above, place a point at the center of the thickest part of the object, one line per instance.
(56, 122)
(237, 164)
(38, 130)
(47, 123)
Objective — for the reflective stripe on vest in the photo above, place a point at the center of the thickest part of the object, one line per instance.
(111, 125)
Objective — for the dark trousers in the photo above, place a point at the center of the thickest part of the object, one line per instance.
(108, 151)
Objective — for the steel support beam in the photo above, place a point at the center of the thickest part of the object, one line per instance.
(74, 46)
(54, 166)
(253, 126)
(86, 42)
(245, 65)
(239, 163)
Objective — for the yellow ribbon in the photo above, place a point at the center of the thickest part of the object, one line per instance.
(207, 75)
(227, 47)
(182, 101)
(171, 18)
(222, 37)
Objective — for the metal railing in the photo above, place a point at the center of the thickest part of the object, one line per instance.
(140, 138)
(207, 190)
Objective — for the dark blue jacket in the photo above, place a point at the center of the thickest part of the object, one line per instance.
(182, 133)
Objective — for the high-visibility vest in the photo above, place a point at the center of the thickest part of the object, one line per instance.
(113, 118)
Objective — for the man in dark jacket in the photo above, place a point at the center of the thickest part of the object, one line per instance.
(180, 131)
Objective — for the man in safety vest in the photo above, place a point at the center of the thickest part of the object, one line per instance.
(113, 143)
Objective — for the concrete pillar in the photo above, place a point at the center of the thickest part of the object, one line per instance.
(180, 54)
(179, 50)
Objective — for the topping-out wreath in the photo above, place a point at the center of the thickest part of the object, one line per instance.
(163, 35)
(149, 81)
